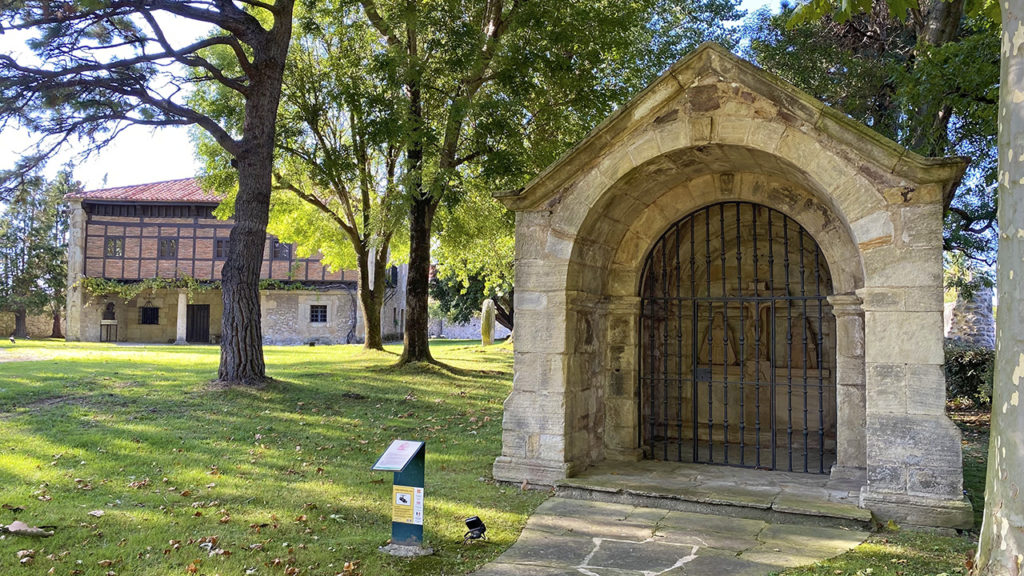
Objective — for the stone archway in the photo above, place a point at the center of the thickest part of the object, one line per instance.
(737, 343)
(714, 129)
(604, 277)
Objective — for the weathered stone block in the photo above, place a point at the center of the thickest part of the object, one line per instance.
(903, 337)
(672, 129)
(887, 477)
(921, 225)
(615, 163)
(851, 442)
(910, 510)
(931, 481)
(643, 146)
(873, 230)
(850, 336)
(913, 441)
(540, 275)
(539, 372)
(924, 298)
(886, 390)
(850, 371)
(926, 389)
(558, 246)
(535, 413)
(884, 299)
(892, 266)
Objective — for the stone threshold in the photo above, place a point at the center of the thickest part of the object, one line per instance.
(777, 497)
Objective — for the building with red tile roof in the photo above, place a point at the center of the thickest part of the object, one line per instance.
(167, 230)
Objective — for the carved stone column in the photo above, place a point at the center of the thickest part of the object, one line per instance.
(851, 447)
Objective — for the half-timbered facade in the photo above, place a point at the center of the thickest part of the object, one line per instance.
(168, 230)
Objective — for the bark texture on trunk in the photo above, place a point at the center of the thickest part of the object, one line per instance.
(57, 331)
(1001, 544)
(20, 323)
(371, 298)
(241, 351)
(417, 315)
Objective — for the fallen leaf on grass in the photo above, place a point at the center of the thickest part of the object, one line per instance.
(97, 513)
(19, 528)
(14, 509)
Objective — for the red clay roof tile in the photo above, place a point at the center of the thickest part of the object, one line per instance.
(183, 190)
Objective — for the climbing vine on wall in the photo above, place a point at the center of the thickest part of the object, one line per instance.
(130, 290)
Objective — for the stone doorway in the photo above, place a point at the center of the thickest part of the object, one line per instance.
(715, 129)
(737, 343)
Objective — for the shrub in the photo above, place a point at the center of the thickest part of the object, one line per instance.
(969, 371)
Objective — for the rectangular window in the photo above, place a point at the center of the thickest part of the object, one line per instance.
(168, 248)
(149, 315)
(318, 313)
(280, 250)
(114, 247)
(220, 248)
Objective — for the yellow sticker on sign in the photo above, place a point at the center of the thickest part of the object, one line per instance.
(407, 505)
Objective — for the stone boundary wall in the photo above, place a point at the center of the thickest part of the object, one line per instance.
(39, 325)
(441, 328)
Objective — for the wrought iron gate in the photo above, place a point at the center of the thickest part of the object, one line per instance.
(737, 343)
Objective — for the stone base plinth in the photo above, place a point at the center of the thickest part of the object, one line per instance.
(537, 472)
(921, 511)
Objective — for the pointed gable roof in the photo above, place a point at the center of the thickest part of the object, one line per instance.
(710, 59)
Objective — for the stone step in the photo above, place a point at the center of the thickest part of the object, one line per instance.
(788, 503)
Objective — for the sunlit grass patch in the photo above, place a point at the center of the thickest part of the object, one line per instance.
(279, 476)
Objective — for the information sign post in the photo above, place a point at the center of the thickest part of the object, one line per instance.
(407, 459)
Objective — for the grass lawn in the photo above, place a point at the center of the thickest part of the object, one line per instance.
(278, 480)
(903, 552)
(275, 480)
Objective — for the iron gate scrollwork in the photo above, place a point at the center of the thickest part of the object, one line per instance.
(737, 343)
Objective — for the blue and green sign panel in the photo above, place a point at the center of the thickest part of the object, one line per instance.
(407, 459)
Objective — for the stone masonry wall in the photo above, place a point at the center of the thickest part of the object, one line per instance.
(39, 325)
(971, 321)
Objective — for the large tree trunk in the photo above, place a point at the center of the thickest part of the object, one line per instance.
(57, 331)
(241, 350)
(417, 316)
(1001, 545)
(20, 323)
(371, 298)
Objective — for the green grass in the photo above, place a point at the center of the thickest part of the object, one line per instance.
(138, 432)
(898, 553)
(910, 553)
(280, 476)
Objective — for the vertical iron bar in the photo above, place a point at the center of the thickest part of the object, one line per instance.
(694, 336)
(664, 345)
(743, 357)
(653, 408)
(821, 381)
(711, 325)
(771, 337)
(679, 352)
(725, 335)
(757, 351)
(803, 324)
(789, 344)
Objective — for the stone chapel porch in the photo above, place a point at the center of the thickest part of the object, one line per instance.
(727, 264)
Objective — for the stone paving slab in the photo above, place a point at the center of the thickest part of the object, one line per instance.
(746, 493)
(582, 537)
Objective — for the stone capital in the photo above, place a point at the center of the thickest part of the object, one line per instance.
(846, 305)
